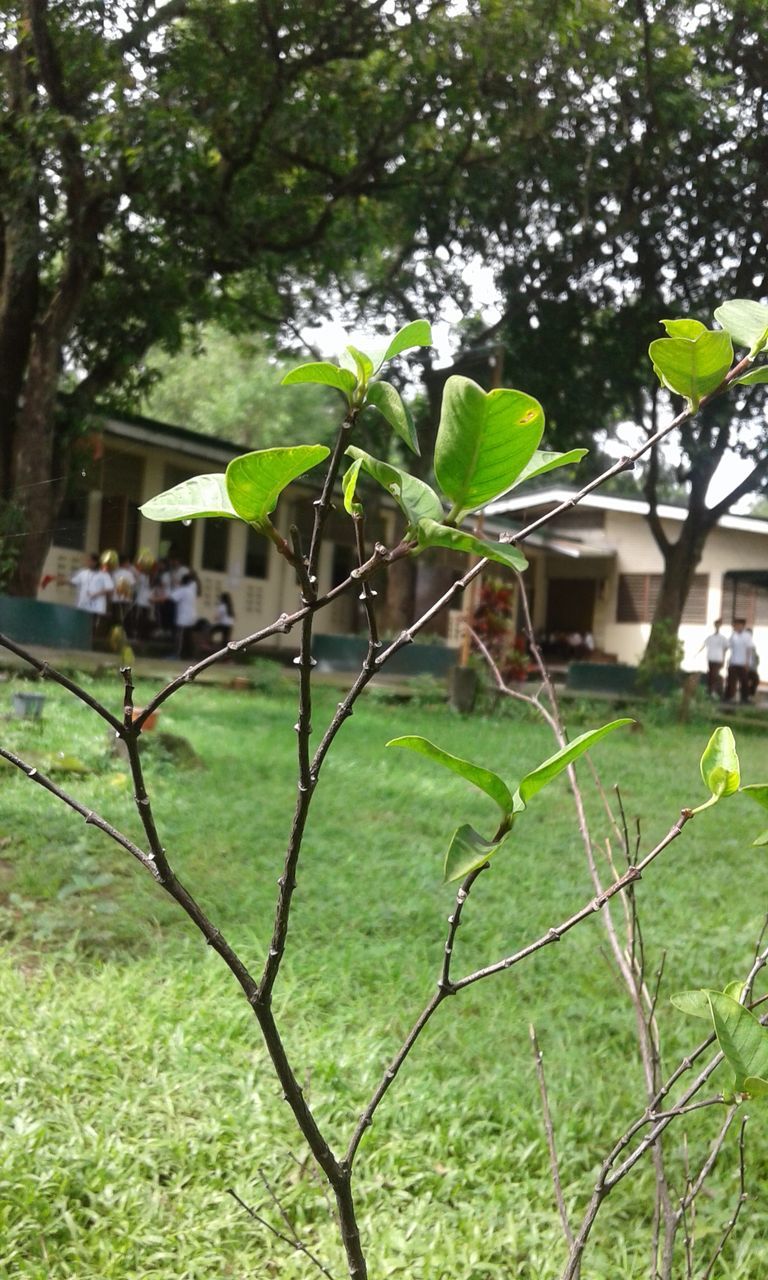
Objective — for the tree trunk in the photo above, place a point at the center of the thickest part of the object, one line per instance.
(681, 560)
(34, 489)
(18, 303)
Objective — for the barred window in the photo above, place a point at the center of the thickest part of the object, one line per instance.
(744, 599)
(256, 554)
(639, 592)
(215, 545)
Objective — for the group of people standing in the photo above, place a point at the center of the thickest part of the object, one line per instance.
(147, 598)
(743, 661)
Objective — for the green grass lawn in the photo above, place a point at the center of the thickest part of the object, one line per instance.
(134, 1089)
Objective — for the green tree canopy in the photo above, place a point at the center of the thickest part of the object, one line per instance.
(224, 385)
(163, 163)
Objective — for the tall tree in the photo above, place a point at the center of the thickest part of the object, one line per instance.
(151, 152)
(620, 176)
(223, 384)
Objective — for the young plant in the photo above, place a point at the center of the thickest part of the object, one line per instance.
(488, 442)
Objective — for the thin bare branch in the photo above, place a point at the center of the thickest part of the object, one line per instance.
(741, 1201)
(549, 1129)
(596, 904)
(293, 1242)
(92, 818)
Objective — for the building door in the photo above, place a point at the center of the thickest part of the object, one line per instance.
(121, 490)
(571, 604)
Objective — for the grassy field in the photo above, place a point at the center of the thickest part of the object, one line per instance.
(133, 1086)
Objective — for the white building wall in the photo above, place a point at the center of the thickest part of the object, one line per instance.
(726, 550)
(257, 601)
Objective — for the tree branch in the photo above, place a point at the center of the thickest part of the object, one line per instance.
(138, 33)
(549, 1129)
(292, 1241)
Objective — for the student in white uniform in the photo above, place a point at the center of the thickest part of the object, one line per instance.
(81, 581)
(739, 650)
(185, 598)
(716, 647)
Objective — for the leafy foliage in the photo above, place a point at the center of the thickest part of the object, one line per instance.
(415, 498)
(248, 491)
(746, 322)
(693, 361)
(742, 1038)
(223, 385)
(468, 850)
(484, 779)
(430, 533)
(758, 791)
(720, 767)
(256, 480)
(484, 442)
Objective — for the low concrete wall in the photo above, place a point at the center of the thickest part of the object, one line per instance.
(614, 677)
(346, 653)
(57, 626)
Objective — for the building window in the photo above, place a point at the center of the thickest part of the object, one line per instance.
(177, 538)
(745, 597)
(256, 554)
(343, 562)
(639, 592)
(215, 545)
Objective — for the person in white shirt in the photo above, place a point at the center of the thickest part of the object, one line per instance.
(224, 620)
(739, 649)
(185, 598)
(716, 647)
(81, 581)
(94, 587)
(753, 674)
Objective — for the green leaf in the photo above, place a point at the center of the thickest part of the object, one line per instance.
(719, 767)
(549, 769)
(200, 497)
(484, 441)
(755, 1087)
(416, 334)
(484, 779)
(746, 321)
(349, 485)
(741, 1037)
(757, 791)
(384, 398)
(543, 460)
(684, 328)
(414, 497)
(752, 378)
(694, 1003)
(323, 372)
(256, 480)
(467, 851)
(692, 367)
(363, 364)
(433, 534)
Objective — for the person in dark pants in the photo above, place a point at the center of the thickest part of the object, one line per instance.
(753, 674)
(716, 647)
(739, 649)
